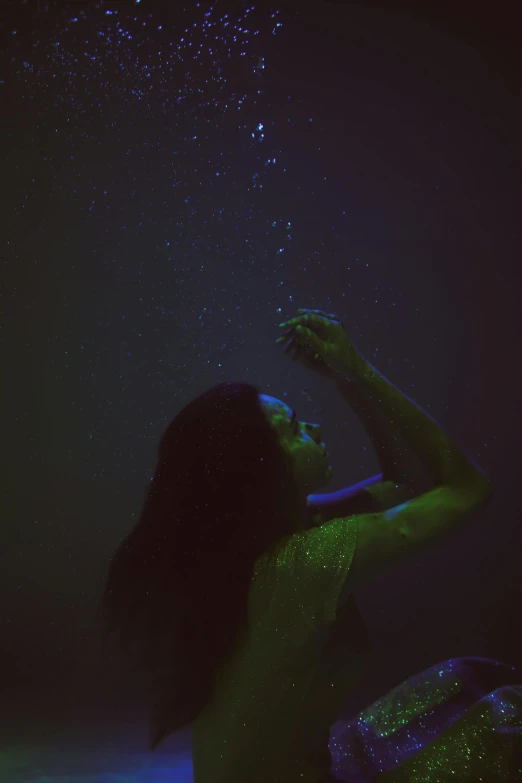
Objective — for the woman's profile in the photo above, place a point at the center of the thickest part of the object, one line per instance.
(233, 593)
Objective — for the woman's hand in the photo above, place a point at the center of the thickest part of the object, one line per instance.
(319, 342)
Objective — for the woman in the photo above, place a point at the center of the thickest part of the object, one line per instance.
(234, 590)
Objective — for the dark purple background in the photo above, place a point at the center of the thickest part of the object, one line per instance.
(403, 193)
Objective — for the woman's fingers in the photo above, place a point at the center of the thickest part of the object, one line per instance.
(290, 343)
(332, 316)
(310, 318)
(307, 318)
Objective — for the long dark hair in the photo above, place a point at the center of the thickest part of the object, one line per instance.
(176, 594)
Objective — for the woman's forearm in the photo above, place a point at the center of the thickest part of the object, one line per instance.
(397, 461)
(442, 459)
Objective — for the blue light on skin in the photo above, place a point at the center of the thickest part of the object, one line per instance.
(391, 513)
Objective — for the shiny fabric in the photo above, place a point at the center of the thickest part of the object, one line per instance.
(274, 713)
(277, 697)
(460, 720)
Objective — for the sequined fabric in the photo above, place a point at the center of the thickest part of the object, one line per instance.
(460, 720)
(273, 716)
(275, 700)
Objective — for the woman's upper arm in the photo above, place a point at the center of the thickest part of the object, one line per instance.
(392, 538)
(387, 494)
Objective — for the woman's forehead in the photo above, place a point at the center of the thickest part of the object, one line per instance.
(279, 410)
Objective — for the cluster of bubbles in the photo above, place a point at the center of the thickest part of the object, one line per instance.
(170, 103)
(133, 58)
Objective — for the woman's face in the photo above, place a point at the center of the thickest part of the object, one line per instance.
(302, 441)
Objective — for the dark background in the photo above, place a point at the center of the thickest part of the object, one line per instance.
(134, 277)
